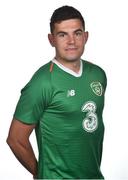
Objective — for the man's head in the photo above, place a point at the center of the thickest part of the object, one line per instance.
(65, 13)
(68, 34)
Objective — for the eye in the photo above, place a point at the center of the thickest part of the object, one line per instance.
(61, 34)
(78, 33)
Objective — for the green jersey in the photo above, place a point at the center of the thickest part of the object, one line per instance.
(67, 111)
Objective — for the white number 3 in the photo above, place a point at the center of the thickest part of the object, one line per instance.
(90, 123)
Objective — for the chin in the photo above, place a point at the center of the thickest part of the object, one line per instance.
(72, 59)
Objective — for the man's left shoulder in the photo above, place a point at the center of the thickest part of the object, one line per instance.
(94, 67)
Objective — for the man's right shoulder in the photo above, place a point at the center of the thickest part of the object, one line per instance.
(45, 69)
(42, 77)
(43, 72)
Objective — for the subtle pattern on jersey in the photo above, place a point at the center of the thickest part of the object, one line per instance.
(55, 101)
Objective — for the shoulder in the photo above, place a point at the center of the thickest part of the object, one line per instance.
(43, 72)
(40, 79)
(95, 72)
(42, 76)
(94, 68)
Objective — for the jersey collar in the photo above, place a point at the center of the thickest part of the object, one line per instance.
(69, 70)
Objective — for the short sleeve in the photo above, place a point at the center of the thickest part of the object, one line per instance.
(32, 102)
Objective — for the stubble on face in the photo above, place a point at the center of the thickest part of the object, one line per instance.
(69, 40)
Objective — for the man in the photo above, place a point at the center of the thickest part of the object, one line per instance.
(63, 102)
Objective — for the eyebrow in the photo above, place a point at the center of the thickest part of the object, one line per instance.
(63, 32)
(79, 30)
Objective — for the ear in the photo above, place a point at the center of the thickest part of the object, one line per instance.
(86, 34)
(51, 39)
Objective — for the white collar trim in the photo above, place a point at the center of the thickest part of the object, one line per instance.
(69, 70)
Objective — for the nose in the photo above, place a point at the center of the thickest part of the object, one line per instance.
(71, 39)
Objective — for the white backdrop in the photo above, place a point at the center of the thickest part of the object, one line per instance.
(24, 47)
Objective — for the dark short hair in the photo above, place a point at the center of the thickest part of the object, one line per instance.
(65, 13)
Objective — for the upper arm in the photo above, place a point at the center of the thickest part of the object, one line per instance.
(19, 131)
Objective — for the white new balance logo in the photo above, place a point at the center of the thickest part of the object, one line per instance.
(71, 93)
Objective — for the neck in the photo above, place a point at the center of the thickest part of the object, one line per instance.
(72, 65)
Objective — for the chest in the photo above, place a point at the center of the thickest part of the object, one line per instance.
(70, 94)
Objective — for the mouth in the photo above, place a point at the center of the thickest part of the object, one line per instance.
(71, 49)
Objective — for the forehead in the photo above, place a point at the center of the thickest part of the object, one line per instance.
(68, 25)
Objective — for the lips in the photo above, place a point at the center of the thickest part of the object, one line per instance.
(71, 49)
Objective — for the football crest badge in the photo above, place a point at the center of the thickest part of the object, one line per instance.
(97, 88)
